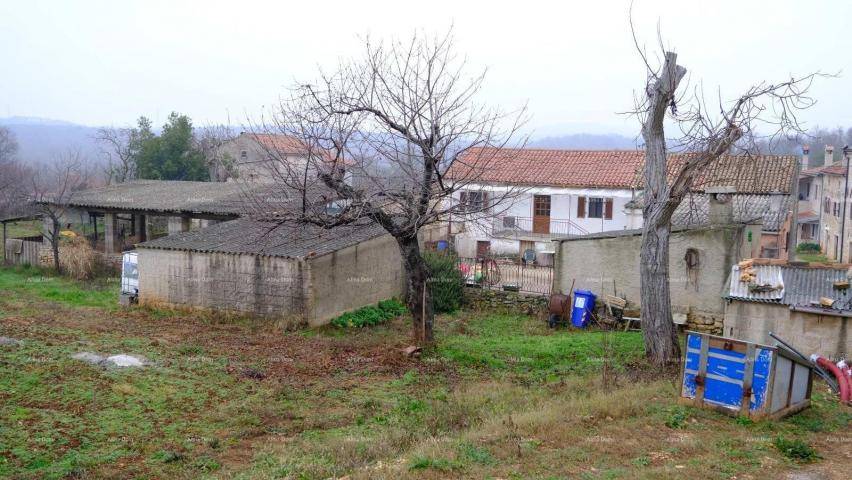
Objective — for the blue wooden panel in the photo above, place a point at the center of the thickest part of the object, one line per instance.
(724, 376)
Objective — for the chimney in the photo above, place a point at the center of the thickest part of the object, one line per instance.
(829, 156)
(806, 150)
(721, 205)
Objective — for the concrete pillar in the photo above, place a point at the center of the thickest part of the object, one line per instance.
(178, 224)
(112, 240)
(142, 226)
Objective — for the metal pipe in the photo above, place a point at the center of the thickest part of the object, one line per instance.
(820, 371)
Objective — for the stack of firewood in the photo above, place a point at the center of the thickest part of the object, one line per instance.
(747, 273)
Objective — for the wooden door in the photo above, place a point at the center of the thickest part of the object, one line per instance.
(483, 249)
(541, 214)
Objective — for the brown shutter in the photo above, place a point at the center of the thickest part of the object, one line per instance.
(581, 207)
(608, 209)
(462, 201)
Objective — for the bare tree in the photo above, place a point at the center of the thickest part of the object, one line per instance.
(404, 107)
(53, 187)
(704, 137)
(119, 146)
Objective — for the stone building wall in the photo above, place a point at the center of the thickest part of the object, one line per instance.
(264, 286)
(827, 335)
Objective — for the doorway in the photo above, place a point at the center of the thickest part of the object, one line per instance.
(541, 213)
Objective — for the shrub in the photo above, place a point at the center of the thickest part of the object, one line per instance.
(447, 283)
(77, 258)
(808, 248)
(370, 315)
(796, 450)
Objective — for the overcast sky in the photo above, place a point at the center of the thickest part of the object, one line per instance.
(572, 62)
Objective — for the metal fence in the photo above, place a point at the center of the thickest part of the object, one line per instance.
(507, 274)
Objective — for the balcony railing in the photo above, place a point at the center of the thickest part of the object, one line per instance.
(509, 225)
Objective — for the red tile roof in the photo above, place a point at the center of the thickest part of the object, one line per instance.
(620, 169)
(286, 144)
(830, 170)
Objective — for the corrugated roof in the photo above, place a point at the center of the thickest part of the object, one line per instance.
(616, 169)
(248, 236)
(803, 286)
(765, 275)
(214, 198)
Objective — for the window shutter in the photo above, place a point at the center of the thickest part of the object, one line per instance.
(463, 201)
(608, 209)
(486, 207)
(581, 207)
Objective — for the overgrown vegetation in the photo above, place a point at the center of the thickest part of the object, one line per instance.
(796, 450)
(808, 247)
(370, 315)
(447, 282)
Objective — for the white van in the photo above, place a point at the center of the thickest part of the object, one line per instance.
(129, 279)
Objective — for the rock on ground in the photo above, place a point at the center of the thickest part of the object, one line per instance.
(119, 361)
(10, 342)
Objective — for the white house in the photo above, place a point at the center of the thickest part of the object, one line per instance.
(556, 193)
(559, 193)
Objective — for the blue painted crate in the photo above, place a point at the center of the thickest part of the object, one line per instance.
(743, 378)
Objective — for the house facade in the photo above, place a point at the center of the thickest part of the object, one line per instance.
(546, 194)
(561, 193)
(825, 217)
(266, 158)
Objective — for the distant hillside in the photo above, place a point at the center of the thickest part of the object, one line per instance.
(40, 140)
(586, 141)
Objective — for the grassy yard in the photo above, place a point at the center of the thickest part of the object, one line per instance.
(498, 397)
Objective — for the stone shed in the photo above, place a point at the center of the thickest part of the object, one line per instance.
(791, 307)
(301, 275)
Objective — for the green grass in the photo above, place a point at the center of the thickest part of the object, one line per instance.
(510, 343)
(812, 257)
(45, 285)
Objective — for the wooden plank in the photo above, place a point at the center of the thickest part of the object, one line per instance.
(748, 377)
(700, 377)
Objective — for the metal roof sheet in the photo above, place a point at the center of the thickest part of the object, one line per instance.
(803, 286)
(766, 275)
(248, 236)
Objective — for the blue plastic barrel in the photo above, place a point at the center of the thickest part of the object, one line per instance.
(584, 304)
(442, 245)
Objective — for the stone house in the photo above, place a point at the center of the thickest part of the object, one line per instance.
(792, 310)
(299, 275)
(265, 157)
(824, 215)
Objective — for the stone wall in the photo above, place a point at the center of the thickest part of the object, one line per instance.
(502, 301)
(827, 335)
(356, 276)
(264, 286)
(608, 263)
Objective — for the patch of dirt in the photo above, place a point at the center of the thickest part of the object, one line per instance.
(266, 353)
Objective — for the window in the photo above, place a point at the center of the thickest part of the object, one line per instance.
(541, 205)
(596, 207)
(243, 154)
(473, 201)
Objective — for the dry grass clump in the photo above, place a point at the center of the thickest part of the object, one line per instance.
(77, 258)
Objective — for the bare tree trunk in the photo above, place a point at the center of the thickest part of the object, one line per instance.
(419, 293)
(658, 330)
(54, 243)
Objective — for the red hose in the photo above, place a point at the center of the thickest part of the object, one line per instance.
(842, 377)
